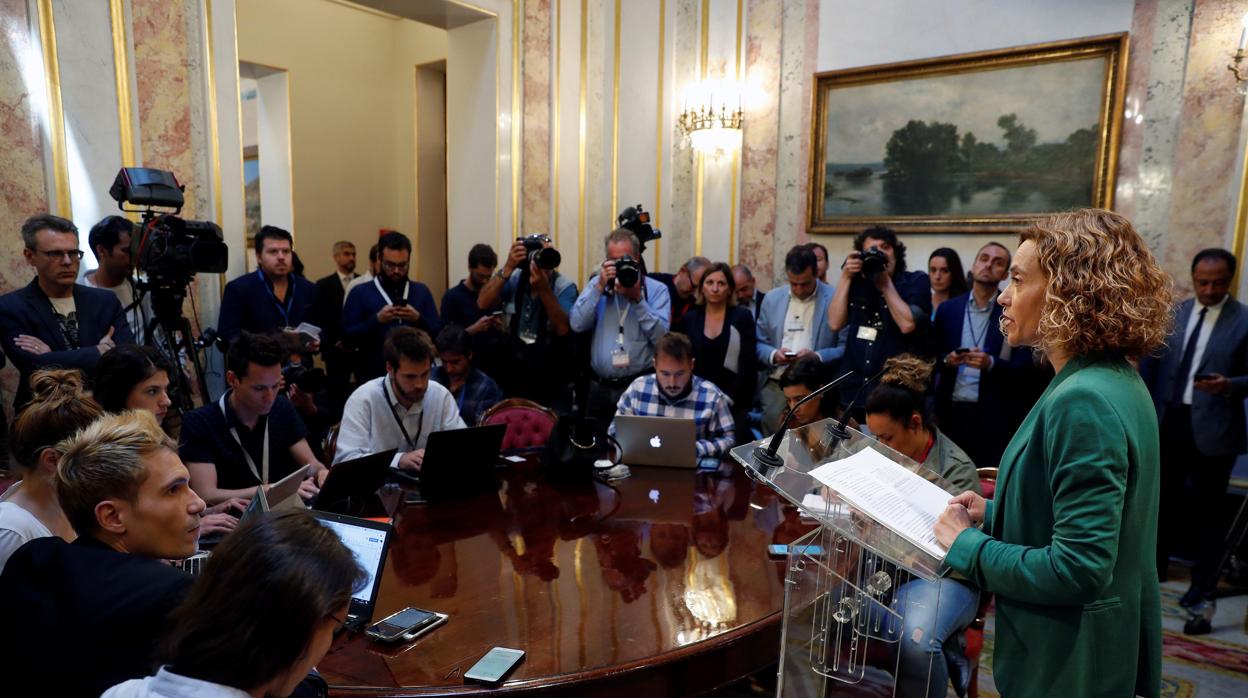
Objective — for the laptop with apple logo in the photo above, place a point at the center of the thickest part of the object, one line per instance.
(663, 441)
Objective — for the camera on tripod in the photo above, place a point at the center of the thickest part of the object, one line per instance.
(544, 257)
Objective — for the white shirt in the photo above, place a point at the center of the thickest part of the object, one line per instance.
(346, 280)
(17, 526)
(370, 425)
(799, 328)
(365, 278)
(166, 684)
(1202, 341)
(125, 294)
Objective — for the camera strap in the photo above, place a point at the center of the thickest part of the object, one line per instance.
(394, 413)
(386, 296)
(623, 315)
(284, 309)
(263, 474)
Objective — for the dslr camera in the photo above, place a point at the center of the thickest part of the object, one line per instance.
(627, 272)
(544, 257)
(874, 263)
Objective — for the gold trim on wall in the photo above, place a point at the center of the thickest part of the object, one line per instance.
(615, 117)
(56, 109)
(121, 72)
(517, 117)
(699, 185)
(415, 261)
(658, 131)
(554, 117)
(1241, 220)
(736, 154)
(1112, 47)
(214, 134)
(580, 183)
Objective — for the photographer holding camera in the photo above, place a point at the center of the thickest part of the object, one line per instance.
(884, 307)
(535, 301)
(628, 313)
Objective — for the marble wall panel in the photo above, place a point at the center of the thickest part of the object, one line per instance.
(163, 81)
(760, 134)
(598, 219)
(678, 230)
(1205, 180)
(536, 90)
(23, 189)
(800, 27)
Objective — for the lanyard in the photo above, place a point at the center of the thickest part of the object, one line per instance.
(263, 474)
(411, 443)
(386, 296)
(290, 297)
(623, 315)
(977, 342)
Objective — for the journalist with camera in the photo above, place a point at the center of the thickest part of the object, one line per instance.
(883, 308)
(533, 301)
(627, 313)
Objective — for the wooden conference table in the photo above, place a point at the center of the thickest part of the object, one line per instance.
(656, 585)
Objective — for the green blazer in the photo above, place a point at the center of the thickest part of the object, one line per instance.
(1069, 544)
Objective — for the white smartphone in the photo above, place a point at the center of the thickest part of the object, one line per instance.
(494, 666)
(404, 625)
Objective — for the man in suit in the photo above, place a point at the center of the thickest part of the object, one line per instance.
(682, 287)
(54, 321)
(272, 298)
(331, 292)
(1198, 384)
(984, 387)
(791, 326)
(391, 300)
(103, 601)
(748, 295)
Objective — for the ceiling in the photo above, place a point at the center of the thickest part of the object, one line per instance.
(446, 14)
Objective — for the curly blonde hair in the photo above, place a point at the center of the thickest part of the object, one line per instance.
(908, 371)
(1106, 293)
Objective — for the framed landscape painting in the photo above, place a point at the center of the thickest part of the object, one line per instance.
(980, 142)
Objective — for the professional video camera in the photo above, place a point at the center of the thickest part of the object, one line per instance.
(544, 257)
(874, 263)
(168, 249)
(637, 219)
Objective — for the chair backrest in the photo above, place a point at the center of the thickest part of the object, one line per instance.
(329, 447)
(987, 481)
(528, 424)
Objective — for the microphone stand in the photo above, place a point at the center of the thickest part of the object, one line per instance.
(837, 428)
(766, 457)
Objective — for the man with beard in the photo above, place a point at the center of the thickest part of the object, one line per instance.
(400, 409)
(390, 301)
(273, 298)
(673, 391)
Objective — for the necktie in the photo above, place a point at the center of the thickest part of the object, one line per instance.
(1189, 355)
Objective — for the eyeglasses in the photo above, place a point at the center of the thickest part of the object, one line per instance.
(393, 266)
(61, 254)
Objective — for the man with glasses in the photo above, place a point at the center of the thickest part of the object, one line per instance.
(391, 300)
(55, 321)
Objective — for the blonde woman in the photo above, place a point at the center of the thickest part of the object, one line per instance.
(1068, 544)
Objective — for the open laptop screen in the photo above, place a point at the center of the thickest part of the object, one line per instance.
(367, 540)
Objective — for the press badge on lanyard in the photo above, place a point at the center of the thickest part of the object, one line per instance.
(619, 355)
(867, 333)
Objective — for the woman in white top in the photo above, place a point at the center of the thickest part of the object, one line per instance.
(230, 640)
(30, 509)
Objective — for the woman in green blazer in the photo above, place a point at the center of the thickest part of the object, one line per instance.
(1068, 544)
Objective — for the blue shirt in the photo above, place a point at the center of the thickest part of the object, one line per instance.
(206, 439)
(249, 303)
(616, 320)
(974, 333)
(528, 306)
(365, 333)
(478, 394)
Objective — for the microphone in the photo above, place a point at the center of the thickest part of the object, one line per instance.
(837, 427)
(766, 456)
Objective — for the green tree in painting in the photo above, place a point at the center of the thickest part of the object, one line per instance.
(922, 150)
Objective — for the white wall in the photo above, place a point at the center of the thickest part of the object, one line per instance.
(853, 34)
(472, 182)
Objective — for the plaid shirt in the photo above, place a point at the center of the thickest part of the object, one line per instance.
(705, 404)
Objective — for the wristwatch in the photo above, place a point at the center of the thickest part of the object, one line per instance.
(501, 274)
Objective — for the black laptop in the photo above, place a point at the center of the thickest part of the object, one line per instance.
(370, 542)
(351, 486)
(461, 461)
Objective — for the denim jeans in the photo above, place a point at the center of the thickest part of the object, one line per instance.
(933, 616)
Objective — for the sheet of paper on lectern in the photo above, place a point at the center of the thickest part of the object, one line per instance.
(898, 499)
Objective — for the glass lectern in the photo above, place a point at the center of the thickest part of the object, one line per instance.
(855, 590)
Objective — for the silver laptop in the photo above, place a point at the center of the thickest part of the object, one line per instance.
(663, 441)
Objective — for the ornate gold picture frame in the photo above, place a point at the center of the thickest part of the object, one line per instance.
(979, 142)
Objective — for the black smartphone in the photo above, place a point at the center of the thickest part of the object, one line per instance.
(961, 350)
(790, 354)
(405, 622)
(494, 666)
(400, 303)
(1205, 376)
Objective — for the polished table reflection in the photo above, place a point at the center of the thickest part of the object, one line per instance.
(658, 583)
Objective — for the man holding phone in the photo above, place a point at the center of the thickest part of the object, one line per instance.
(1199, 383)
(391, 300)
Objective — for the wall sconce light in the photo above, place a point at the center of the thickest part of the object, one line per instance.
(1240, 54)
(711, 117)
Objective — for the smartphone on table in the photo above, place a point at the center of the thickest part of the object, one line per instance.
(405, 625)
(494, 666)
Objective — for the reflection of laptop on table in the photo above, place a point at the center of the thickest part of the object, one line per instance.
(370, 542)
(460, 461)
(663, 441)
(352, 483)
